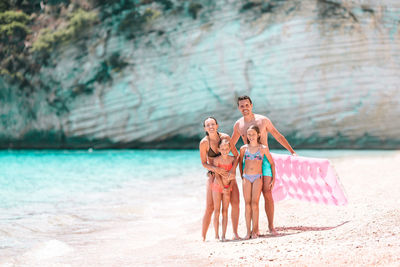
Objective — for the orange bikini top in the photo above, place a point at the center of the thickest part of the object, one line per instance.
(227, 167)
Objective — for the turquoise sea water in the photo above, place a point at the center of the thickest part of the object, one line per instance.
(66, 195)
(29, 177)
(61, 193)
(63, 177)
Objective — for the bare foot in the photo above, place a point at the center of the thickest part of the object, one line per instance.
(204, 238)
(223, 239)
(273, 232)
(216, 237)
(254, 235)
(236, 237)
(247, 236)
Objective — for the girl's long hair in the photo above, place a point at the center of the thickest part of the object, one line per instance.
(255, 128)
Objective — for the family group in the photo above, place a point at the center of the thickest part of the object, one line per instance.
(256, 166)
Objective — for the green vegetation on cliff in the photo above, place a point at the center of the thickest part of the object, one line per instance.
(78, 21)
(13, 31)
(13, 27)
(9, 17)
(32, 32)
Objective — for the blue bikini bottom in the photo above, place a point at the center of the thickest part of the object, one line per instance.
(252, 177)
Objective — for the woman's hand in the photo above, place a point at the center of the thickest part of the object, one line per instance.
(232, 175)
(228, 176)
(221, 172)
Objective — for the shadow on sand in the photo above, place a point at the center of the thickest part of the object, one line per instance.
(292, 230)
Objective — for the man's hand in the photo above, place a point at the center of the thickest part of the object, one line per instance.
(271, 185)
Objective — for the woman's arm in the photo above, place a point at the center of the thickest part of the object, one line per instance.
(235, 161)
(232, 172)
(218, 178)
(203, 156)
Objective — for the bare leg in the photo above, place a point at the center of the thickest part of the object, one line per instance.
(225, 205)
(217, 197)
(209, 208)
(269, 204)
(255, 199)
(247, 202)
(235, 209)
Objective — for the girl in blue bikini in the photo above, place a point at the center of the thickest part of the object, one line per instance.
(250, 166)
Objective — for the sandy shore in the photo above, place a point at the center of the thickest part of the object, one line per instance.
(364, 233)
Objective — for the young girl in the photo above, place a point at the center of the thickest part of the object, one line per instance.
(251, 172)
(222, 187)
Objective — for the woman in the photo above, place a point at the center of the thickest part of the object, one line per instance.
(208, 152)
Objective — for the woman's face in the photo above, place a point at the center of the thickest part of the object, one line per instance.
(252, 135)
(210, 126)
(224, 149)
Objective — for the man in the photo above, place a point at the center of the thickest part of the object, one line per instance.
(245, 106)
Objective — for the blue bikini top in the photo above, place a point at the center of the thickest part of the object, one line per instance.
(255, 156)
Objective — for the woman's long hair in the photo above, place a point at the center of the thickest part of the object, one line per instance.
(204, 123)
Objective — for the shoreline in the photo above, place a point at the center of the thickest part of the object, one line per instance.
(363, 233)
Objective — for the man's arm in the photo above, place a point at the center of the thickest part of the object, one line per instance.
(279, 137)
(272, 163)
(234, 139)
(242, 150)
(232, 172)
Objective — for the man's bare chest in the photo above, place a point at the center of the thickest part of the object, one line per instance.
(244, 126)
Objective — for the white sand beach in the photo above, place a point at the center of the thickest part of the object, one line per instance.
(366, 232)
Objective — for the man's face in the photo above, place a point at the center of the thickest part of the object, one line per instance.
(245, 107)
